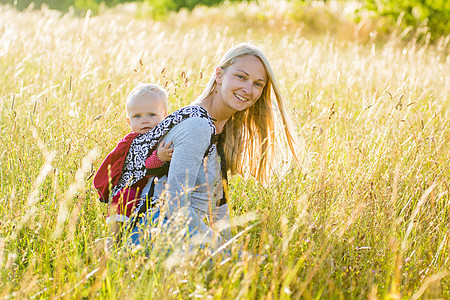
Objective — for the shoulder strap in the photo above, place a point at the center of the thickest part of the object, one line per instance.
(133, 168)
(223, 169)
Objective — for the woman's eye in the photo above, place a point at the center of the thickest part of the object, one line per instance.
(240, 76)
(259, 84)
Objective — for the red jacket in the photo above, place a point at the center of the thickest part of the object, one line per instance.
(109, 172)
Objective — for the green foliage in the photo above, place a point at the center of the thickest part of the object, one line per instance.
(158, 7)
(174, 5)
(435, 14)
(62, 5)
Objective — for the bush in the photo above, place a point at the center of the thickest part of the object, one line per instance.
(160, 8)
(179, 4)
(435, 14)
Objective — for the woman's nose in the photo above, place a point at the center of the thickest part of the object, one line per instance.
(247, 88)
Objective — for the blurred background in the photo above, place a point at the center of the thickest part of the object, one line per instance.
(431, 16)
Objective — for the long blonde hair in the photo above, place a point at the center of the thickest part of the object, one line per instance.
(250, 135)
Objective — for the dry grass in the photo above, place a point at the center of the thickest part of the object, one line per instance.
(369, 220)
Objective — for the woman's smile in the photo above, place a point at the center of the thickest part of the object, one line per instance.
(241, 98)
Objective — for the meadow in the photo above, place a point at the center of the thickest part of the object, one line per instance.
(368, 219)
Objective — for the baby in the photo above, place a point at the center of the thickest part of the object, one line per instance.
(146, 106)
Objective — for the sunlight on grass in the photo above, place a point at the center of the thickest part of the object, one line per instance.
(369, 220)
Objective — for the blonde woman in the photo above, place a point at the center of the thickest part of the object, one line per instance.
(238, 105)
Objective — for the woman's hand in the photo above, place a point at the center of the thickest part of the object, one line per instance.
(164, 152)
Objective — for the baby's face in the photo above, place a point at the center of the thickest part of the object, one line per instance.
(145, 112)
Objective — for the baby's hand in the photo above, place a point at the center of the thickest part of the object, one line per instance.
(164, 152)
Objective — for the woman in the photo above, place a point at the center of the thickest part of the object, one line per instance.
(238, 101)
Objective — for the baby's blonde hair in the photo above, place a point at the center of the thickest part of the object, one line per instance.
(147, 88)
(250, 140)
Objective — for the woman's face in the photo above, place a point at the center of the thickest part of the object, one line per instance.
(241, 84)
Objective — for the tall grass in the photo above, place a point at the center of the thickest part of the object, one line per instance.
(370, 220)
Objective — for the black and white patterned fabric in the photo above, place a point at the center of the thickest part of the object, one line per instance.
(134, 169)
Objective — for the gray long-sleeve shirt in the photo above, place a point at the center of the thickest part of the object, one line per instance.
(193, 185)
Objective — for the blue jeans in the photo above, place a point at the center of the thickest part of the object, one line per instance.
(147, 221)
(151, 220)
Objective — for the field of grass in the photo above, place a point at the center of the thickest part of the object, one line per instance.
(369, 220)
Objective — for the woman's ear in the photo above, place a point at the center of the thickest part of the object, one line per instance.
(219, 73)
